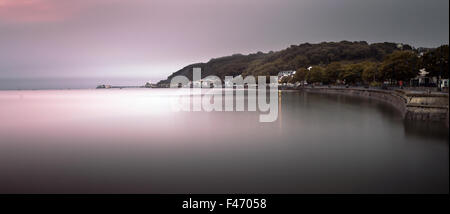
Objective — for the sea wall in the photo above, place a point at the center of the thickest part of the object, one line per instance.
(412, 105)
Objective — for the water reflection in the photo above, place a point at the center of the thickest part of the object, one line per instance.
(426, 130)
(129, 141)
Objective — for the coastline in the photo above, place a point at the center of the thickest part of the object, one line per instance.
(414, 106)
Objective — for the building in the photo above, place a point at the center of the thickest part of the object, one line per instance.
(104, 86)
(282, 74)
(423, 79)
(444, 84)
(150, 85)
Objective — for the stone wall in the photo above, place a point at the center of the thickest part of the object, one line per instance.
(412, 105)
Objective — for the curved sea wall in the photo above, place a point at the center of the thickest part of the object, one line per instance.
(412, 105)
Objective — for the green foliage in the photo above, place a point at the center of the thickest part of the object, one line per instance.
(285, 79)
(300, 75)
(352, 62)
(375, 84)
(315, 75)
(400, 65)
(436, 61)
(292, 80)
(332, 72)
(370, 72)
(292, 58)
(352, 73)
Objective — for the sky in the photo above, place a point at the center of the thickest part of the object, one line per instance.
(79, 44)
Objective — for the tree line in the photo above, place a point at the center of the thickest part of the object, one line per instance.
(332, 62)
(395, 67)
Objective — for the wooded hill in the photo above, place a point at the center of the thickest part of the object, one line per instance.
(293, 58)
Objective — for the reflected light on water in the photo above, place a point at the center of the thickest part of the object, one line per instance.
(130, 141)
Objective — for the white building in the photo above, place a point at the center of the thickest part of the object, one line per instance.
(444, 83)
(422, 79)
(282, 74)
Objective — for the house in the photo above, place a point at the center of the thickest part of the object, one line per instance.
(282, 74)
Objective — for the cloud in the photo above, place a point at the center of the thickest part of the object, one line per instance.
(31, 11)
(35, 11)
(91, 38)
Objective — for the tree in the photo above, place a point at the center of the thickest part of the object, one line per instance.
(400, 65)
(292, 80)
(300, 61)
(315, 75)
(296, 56)
(300, 75)
(284, 79)
(332, 72)
(352, 73)
(370, 72)
(436, 62)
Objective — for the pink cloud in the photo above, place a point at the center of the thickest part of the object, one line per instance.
(37, 10)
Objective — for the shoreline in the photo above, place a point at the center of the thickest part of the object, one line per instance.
(414, 106)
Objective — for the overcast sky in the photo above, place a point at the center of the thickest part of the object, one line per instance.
(133, 41)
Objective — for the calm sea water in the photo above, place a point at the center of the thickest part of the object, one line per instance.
(130, 141)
